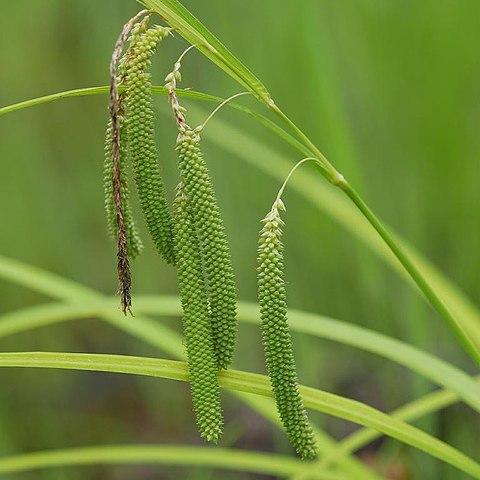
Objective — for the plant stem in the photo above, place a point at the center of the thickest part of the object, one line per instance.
(413, 271)
(328, 171)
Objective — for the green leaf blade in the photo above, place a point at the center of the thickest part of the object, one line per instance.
(187, 25)
(252, 383)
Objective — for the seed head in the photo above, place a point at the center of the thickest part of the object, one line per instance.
(276, 335)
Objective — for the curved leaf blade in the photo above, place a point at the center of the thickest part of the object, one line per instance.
(440, 372)
(187, 25)
(224, 458)
(318, 400)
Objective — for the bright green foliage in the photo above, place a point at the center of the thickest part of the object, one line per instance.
(218, 271)
(134, 243)
(141, 136)
(202, 364)
(276, 335)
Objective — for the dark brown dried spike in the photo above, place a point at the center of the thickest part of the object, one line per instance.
(123, 262)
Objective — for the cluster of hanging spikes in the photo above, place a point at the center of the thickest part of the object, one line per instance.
(193, 239)
(130, 137)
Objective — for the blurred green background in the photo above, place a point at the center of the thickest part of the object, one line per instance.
(388, 89)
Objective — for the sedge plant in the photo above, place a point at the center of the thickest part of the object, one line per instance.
(191, 236)
(206, 274)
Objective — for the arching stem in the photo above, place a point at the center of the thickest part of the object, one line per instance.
(202, 126)
(292, 171)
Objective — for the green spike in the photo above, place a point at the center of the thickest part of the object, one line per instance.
(141, 136)
(217, 264)
(276, 335)
(202, 364)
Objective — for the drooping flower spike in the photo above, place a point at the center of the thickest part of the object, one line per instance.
(277, 341)
(202, 365)
(141, 136)
(205, 215)
(116, 199)
(217, 265)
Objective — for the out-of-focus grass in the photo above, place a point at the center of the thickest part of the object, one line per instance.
(389, 90)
